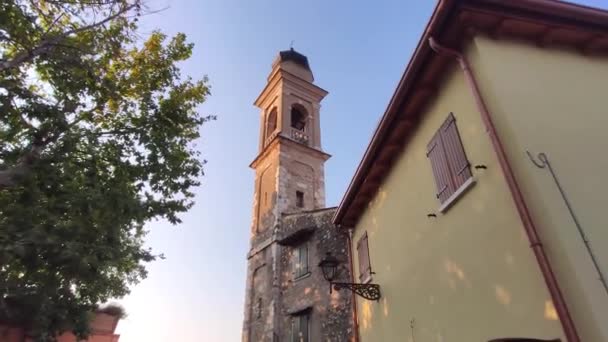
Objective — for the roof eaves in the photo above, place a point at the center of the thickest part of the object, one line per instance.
(583, 16)
(438, 18)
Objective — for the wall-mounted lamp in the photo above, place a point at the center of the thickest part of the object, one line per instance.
(329, 266)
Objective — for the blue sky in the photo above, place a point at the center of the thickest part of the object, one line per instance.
(357, 51)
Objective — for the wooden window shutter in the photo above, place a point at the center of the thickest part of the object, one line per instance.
(441, 170)
(454, 151)
(364, 263)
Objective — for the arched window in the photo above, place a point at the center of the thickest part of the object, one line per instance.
(271, 123)
(298, 117)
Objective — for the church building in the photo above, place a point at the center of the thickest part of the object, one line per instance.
(287, 297)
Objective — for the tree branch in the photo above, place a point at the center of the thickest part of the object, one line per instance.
(37, 9)
(99, 23)
(91, 3)
(116, 132)
(53, 24)
(49, 43)
(26, 123)
(4, 37)
(8, 177)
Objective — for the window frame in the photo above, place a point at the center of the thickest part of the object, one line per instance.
(449, 163)
(365, 275)
(299, 199)
(301, 269)
(295, 332)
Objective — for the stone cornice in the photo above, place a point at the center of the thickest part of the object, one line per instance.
(280, 139)
(283, 75)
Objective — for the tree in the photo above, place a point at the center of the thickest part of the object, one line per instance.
(96, 138)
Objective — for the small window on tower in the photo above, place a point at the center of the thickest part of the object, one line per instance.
(259, 308)
(299, 199)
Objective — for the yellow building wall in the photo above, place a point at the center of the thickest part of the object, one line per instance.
(555, 100)
(467, 275)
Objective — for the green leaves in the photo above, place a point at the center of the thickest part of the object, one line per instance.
(96, 136)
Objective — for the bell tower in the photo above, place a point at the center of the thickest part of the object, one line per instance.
(289, 174)
(289, 179)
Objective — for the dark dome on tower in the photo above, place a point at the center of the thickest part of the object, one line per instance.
(294, 56)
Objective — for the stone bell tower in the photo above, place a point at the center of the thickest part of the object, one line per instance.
(289, 166)
(289, 178)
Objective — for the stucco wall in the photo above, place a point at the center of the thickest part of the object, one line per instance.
(556, 102)
(467, 275)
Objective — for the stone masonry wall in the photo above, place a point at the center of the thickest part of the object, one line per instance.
(273, 295)
(300, 170)
(290, 164)
(331, 314)
(283, 169)
(258, 312)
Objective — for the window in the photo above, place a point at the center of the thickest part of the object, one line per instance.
(271, 123)
(301, 261)
(299, 327)
(299, 199)
(365, 268)
(449, 162)
(298, 117)
(259, 308)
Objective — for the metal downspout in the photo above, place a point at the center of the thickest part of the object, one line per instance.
(352, 280)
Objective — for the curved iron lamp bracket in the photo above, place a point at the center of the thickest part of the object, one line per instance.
(367, 291)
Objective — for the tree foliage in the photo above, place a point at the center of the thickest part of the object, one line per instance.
(96, 138)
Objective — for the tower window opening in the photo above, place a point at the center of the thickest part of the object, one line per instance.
(271, 123)
(259, 308)
(298, 118)
(299, 199)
